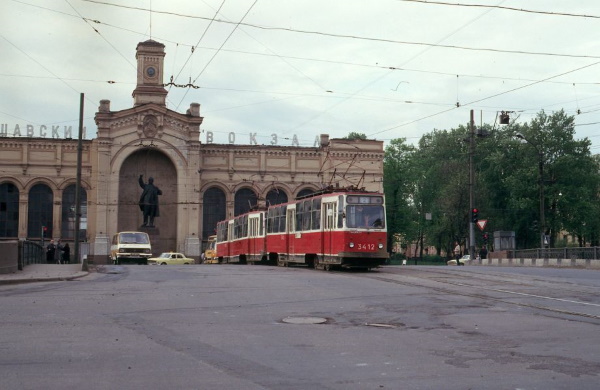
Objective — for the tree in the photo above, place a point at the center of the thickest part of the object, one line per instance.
(397, 187)
(354, 135)
(433, 178)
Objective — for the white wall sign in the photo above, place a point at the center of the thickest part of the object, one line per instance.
(210, 139)
(42, 131)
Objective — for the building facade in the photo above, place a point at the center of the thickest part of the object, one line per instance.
(201, 183)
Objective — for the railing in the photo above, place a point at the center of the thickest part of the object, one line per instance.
(590, 253)
(30, 252)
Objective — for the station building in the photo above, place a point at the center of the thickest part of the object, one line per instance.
(201, 183)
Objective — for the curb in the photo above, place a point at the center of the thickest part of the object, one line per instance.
(43, 279)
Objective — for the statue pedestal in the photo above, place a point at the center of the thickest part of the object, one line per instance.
(155, 241)
(150, 230)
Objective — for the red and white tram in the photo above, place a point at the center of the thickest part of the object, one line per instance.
(336, 228)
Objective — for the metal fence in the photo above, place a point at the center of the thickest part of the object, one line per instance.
(30, 252)
(591, 253)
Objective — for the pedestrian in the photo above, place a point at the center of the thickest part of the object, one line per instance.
(202, 257)
(483, 252)
(66, 256)
(457, 252)
(57, 251)
(50, 250)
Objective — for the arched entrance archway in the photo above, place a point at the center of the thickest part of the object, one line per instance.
(149, 163)
(9, 210)
(40, 210)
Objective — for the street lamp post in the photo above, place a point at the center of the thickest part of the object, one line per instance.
(541, 188)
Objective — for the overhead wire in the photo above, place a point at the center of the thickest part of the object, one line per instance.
(530, 11)
(217, 52)
(490, 97)
(533, 83)
(350, 36)
(199, 40)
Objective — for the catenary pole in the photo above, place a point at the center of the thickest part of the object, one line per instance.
(78, 183)
(471, 186)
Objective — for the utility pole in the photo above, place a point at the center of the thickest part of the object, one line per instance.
(78, 186)
(471, 186)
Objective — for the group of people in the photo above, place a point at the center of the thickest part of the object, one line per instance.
(56, 253)
(483, 252)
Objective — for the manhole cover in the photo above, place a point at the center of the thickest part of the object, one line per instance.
(304, 320)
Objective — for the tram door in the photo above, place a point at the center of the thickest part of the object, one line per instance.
(230, 238)
(253, 237)
(291, 232)
(329, 215)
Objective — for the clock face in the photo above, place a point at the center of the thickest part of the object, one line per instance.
(150, 71)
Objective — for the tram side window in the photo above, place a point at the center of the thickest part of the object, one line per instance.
(230, 232)
(245, 226)
(316, 214)
(299, 216)
(278, 221)
(282, 218)
(306, 215)
(275, 220)
(261, 224)
(236, 228)
(270, 221)
(219, 232)
(340, 221)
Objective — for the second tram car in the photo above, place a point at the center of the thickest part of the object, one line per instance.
(330, 229)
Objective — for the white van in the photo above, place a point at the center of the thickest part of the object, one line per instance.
(130, 248)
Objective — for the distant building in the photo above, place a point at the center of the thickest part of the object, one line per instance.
(201, 183)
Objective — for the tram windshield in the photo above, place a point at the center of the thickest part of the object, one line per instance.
(365, 216)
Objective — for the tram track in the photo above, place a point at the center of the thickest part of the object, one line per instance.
(456, 287)
(516, 280)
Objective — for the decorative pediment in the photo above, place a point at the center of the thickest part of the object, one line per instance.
(150, 124)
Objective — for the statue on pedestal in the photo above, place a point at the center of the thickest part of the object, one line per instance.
(149, 201)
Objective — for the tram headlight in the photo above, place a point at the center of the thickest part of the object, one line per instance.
(351, 245)
(380, 246)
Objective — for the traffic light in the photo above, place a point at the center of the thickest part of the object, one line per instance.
(44, 230)
(474, 215)
(485, 238)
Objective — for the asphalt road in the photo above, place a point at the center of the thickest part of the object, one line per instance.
(263, 327)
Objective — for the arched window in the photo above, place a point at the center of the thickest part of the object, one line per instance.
(276, 196)
(40, 211)
(245, 199)
(304, 192)
(214, 210)
(67, 230)
(9, 210)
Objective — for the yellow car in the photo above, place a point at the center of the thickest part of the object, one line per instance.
(170, 258)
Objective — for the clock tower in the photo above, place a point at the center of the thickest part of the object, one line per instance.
(150, 57)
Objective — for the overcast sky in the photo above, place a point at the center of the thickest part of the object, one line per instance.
(386, 68)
